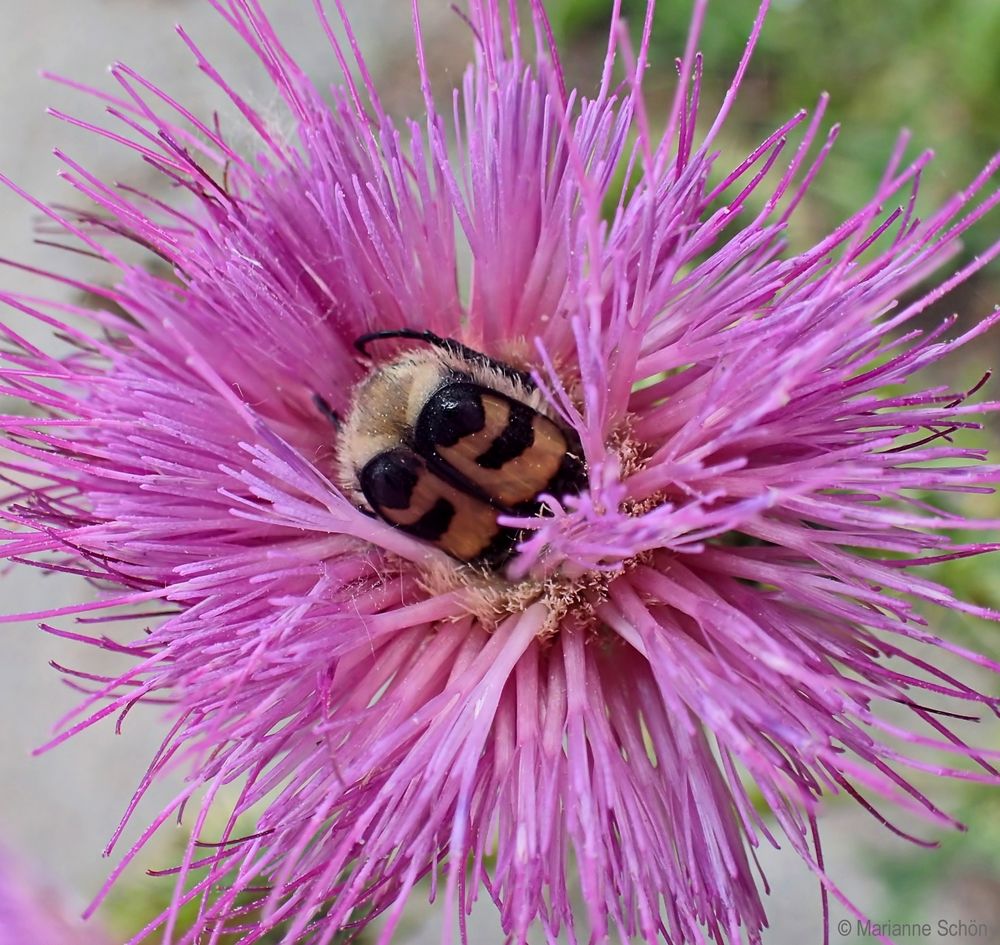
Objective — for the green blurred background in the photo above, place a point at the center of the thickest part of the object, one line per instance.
(930, 66)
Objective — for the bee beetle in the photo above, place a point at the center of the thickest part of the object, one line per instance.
(439, 442)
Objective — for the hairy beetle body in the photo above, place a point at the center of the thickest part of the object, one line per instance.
(442, 441)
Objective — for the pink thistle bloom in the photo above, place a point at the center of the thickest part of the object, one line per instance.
(730, 596)
(31, 914)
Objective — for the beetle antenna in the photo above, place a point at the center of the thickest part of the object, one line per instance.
(429, 337)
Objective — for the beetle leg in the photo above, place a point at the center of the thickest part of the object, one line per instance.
(324, 408)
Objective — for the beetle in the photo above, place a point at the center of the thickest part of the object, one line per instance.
(441, 441)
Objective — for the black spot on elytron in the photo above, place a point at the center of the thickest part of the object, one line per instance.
(517, 436)
(388, 480)
(571, 476)
(500, 548)
(452, 412)
(433, 523)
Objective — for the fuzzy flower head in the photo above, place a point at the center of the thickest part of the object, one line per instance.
(724, 593)
(32, 912)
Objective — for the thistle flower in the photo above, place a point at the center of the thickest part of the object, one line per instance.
(30, 913)
(731, 597)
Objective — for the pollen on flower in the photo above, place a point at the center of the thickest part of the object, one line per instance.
(568, 599)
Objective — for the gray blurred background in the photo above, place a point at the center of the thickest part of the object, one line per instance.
(906, 65)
